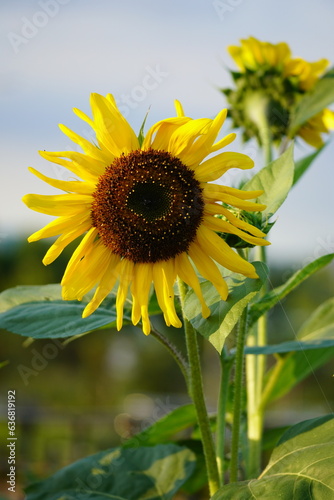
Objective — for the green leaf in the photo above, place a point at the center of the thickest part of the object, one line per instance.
(321, 320)
(275, 180)
(224, 315)
(314, 101)
(277, 294)
(272, 436)
(141, 135)
(296, 366)
(39, 312)
(316, 333)
(164, 429)
(153, 473)
(300, 467)
(304, 163)
(22, 294)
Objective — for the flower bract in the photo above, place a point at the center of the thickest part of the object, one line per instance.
(147, 213)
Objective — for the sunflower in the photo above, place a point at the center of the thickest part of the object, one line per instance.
(147, 212)
(268, 70)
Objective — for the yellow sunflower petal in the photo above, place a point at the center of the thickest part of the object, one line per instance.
(105, 286)
(215, 167)
(59, 204)
(60, 225)
(83, 117)
(65, 239)
(218, 250)
(220, 225)
(184, 136)
(84, 166)
(86, 146)
(214, 192)
(187, 274)
(164, 275)
(222, 143)
(111, 128)
(203, 144)
(328, 119)
(208, 269)
(311, 136)
(239, 193)
(83, 250)
(248, 55)
(283, 52)
(88, 272)
(159, 135)
(142, 280)
(213, 209)
(257, 48)
(178, 108)
(125, 277)
(236, 54)
(77, 187)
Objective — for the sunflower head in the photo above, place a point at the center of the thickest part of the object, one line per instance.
(271, 82)
(146, 211)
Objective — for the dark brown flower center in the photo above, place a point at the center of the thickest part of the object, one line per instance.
(147, 206)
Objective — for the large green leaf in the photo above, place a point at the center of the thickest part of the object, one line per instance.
(300, 468)
(321, 96)
(224, 315)
(277, 294)
(164, 429)
(302, 165)
(38, 311)
(296, 366)
(152, 473)
(275, 180)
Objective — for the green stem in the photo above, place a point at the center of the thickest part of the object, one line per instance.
(172, 349)
(226, 363)
(238, 389)
(275, 374)
(256, 108)
(266, 142)
(195, 388)
(256, 366)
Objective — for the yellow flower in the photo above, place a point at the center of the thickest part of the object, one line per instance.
(269, 68)
(253, 54)
(148, 211)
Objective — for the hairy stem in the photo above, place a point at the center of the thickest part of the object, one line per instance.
(195, 389)
(238, 388)
(226, 364)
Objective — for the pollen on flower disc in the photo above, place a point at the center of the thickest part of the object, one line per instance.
(147, 206)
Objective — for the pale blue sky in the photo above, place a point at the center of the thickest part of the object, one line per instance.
(147, 53)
